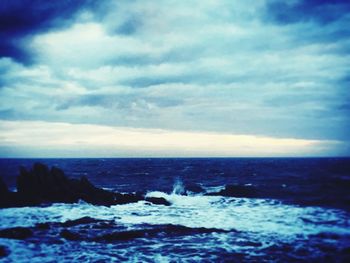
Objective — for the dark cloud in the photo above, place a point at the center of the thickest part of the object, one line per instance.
(21, 19)
(313, 22)
(129, 26)
(319, 11)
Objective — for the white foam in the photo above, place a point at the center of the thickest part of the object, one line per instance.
(268, 217)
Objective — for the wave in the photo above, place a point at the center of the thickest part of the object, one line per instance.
(223, 227)
(244, 214)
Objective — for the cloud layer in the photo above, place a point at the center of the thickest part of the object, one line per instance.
(277, 69)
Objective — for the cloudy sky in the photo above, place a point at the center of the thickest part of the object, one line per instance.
(174, 78)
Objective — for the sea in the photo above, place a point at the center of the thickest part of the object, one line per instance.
(301, 212)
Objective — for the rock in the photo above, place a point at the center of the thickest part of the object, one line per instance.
(42, 226)
(5, 196)
(3, 188)
(42, 185)
(121, 236)
(237, 191)
(154, 231)
(50, 186)
(127, 198)
(158, 201)
(194, 188)
(346, 251)
(4, 251)
(16, 233)
(69, 235)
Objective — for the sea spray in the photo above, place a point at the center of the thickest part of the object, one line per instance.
(178, 188)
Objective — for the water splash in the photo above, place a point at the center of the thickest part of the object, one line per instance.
(178, 188)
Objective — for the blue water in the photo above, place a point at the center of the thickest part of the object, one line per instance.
(301, 213)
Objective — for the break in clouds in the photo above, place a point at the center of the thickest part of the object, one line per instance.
(267, 68)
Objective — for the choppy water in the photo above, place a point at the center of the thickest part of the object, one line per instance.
(254, 229)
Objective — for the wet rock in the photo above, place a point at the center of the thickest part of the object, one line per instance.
(127, 198)
(4, 251)
(16, 233)
(41, 185)
(42, 226)
(326, 235)
(69, 235)
(121, 236)
(194, 188)
(237, 191)
(346, 251)
(158, 201)
(5, 195)
(3, 188)
(154, 231)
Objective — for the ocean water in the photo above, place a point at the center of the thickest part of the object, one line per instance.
(301, 213)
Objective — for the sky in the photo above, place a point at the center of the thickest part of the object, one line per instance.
(108, 78)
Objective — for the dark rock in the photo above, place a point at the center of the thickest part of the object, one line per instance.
(249, 243)
(237, 191)
(155, 231)
(346, 251)
(127, 198)
(42, 226)
(194, 188)
(103, 225)
(5, 195)
(4, 251)
(16, 233)
(3, 188)
(41, 185)
(121, 236)
(158, 201)
(69, 235)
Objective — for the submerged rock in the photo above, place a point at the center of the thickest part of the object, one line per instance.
(4, 195)
(3, 188)
(155, 231)
(4, 251)
(237, 191)
(69, 235)
(158, 201)
(16, 233)
(194, 188)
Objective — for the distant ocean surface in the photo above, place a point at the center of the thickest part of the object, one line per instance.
(301, 211)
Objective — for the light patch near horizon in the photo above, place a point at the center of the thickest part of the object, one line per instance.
(46, 139)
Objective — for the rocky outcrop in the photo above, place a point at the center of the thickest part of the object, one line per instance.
(194, 188)
(42, 185)
(16, 233)
(157, 201)
(97, 230)
(237, 191)
(4, 251)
